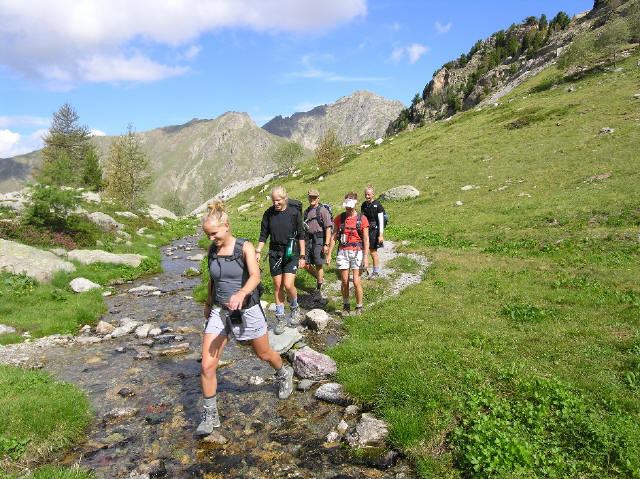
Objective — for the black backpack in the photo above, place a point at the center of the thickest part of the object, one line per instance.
(343, 217)
(295, 204)
(318, 217)
(253, 298)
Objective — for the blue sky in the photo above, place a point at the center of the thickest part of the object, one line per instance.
(161, 62)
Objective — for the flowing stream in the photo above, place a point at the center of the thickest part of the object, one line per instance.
(265, 437)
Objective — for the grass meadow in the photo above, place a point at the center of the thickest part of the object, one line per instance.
(518, 355)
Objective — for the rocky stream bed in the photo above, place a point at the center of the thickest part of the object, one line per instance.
(146, 394)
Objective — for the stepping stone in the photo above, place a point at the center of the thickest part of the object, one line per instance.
(282, 343)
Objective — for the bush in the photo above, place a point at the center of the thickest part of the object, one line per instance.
(51, 207)
(328, 152)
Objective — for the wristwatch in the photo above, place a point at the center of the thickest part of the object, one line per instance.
(258, 251)
(325, 244)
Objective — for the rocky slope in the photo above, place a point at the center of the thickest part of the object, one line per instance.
(494, 66)
(190, 162)
(360, 116)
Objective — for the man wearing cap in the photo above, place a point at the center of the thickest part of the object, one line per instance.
(317, 222)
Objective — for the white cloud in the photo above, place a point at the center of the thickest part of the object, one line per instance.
(24, 121)
(397, 54)
(12, 143)
(415, 51)
(118, 68)
(96, 132)
(395, 26)
(311, 71)
(71, 40)
(191, 53)
(442, 29)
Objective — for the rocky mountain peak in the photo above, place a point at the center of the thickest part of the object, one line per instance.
(359, 116)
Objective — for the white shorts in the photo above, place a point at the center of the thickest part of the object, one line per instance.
(349, 259)
(254, 324)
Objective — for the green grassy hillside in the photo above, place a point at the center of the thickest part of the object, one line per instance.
(519, 353)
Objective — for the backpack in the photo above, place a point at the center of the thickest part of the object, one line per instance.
(318, 218)
(343, 217)
(253, 298)
(295, 204)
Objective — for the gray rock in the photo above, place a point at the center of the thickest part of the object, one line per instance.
(282, 343)
(342, 427)
(333, 436)
(16, 258)
(246, 206)
(272, 307)
(120, 414)
(126, 392)
(196, 257)
(398, 193)
(606, 130)
(317, 319)
(310, 364)
(351, 410)
(126, 328)
(104, 328)
(157, 212)
(127, 214)
(82, 285)
(143, 289)
(89, 256)
(214, 439)
(305, 384)
(331, 392)
(637, 96)
(155, 332)
(192, 271)
(90, 196)
(256, 380)
(107, 293)
(154, 468)
(459, 203)
(84, 340)
(141, 355)
(378, 141)
(369, 431)
(173, 350)
(59, 252)
(4, 329)
(143, 331)
(104, 221)
(123, 234)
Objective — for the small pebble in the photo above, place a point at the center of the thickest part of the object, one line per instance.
(126, 392)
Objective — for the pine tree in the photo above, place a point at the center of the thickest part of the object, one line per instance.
(328, 152)
(65, 137)
(127, 170)
(92, 174)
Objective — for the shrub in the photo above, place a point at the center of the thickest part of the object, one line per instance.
(328, 152)
(51, 207)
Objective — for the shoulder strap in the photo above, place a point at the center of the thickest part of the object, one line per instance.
(319, 217)
(359, 224)
(306, 213)
(343, 217)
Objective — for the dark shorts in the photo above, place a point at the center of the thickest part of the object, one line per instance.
(313, 251)
(373, 239)
(278, 264)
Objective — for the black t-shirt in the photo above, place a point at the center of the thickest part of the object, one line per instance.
(371, 211)
(281, 225)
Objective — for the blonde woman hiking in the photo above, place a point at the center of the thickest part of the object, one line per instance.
(233, 307)
(282, 222)
(374, 212)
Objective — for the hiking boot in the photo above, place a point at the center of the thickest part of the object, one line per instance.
(294, 316)
(358, 311)
(346, 311)
(285, 383)
(210, 420)
(374, 275)
(281, 323)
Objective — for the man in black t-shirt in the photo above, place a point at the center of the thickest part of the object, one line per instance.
(374, 212)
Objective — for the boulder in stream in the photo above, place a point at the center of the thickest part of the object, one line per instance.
(331, 392)
(82, 285)
(310, 364)
(90, 256)
(282, 343)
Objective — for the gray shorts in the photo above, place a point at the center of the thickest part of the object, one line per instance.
(313, 252)
(254, 324)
